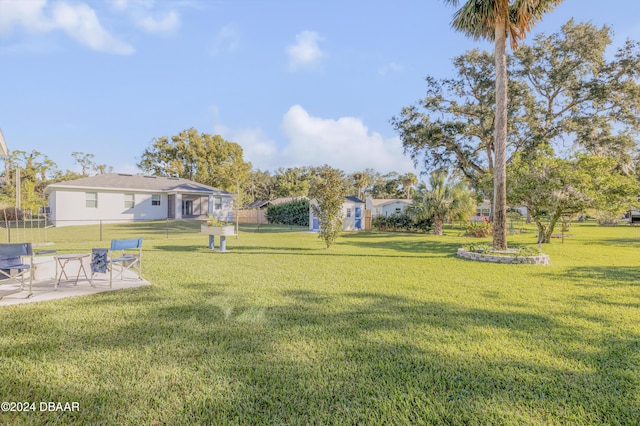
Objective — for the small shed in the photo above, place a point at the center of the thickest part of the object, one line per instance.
(352, 215)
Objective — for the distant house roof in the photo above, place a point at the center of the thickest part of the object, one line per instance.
(123, 181)
(354, 199)
(276, 201)
(258, 204)
(381, 202)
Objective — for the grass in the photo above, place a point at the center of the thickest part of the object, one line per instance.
(379, 329)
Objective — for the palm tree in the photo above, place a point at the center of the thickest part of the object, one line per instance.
(408, 181)
(362, 180)
(499, 20)
(444, 200)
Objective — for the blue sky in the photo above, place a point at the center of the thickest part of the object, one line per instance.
(295, 82)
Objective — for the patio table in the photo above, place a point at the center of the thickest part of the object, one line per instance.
(64, 260)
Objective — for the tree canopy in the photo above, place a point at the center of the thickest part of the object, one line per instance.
(329, 189)
(200, 157)
(566, 97)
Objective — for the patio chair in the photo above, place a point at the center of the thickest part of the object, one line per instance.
(129, 258)
(16, 260)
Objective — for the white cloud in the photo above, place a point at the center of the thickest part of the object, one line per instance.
(344, 143)
(26, 14)
(305, 53)
(227, 39)
(79, 21)
(391, 67)
(127, 4)
(170, 22)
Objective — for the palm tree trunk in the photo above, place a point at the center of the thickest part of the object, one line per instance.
(437, 226)
(500, 145)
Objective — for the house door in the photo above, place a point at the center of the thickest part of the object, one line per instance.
(358, 218)
(316, 223)
(187, 208)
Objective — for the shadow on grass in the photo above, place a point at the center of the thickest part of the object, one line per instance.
(599, 276)
(618, 242)
(271, 228)
(403, 243)
(316, 358)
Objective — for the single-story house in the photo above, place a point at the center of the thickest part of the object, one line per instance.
(387, 206)
(352, 215)
(120, 197)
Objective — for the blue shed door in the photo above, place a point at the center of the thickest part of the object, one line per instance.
(358, 218)
(316, 223)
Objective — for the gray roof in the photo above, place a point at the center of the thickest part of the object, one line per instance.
(122, 181)
(354, 199)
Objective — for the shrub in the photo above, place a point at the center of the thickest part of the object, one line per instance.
(11, 213)
(401, 223)
(294, 213)
(478, 229)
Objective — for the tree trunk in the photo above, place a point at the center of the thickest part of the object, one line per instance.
(551, 227)
(500, 145)
(437, 226)
(541, 231)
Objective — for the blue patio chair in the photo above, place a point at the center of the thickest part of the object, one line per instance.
(127, 254)
(16, 261)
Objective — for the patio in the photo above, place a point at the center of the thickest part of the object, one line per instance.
(44, 283)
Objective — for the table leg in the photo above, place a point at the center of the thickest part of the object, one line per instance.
(81, 269)
(63, 264)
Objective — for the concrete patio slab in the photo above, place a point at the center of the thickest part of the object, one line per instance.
(44, 283)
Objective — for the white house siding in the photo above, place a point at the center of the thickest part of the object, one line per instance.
(386, 207)
(72, 206)
(226, 212)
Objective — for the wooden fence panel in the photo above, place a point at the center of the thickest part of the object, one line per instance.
(255, 216)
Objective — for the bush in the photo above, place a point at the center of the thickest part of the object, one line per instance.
(478, 229)
(11, 213)
(401, 223)
(294, 213)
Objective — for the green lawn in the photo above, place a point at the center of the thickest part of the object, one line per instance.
(379, 329)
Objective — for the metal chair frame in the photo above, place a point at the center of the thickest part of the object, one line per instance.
(12, 259)
(129, 258)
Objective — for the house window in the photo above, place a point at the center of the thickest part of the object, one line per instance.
(398, 210)
(217, 203)
(155, 199)
(129, 201)
(91, 199)
(348, 212)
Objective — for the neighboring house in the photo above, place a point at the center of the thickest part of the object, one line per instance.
(119, 197)
(352, 215)
(634, 215)
(387, 206)
(483, 211)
